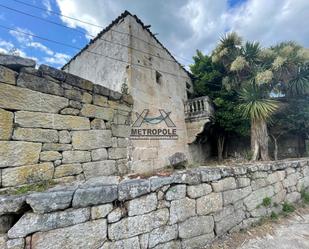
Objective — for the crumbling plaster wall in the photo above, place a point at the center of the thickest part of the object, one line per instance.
(95, 65)
(170, 95)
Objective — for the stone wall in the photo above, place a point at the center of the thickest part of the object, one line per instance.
(58, 127)
(187, 209)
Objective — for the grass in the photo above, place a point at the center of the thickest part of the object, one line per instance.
(36, 187)
(304, 196)
(266, 202)
(274, 216)
(288, 208)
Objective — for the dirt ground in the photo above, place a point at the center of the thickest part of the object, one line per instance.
(291, 232)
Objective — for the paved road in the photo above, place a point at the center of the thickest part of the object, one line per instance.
(293, 233)
(288, 233)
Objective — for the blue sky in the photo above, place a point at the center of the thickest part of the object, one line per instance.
(45, 52)
(182, 25)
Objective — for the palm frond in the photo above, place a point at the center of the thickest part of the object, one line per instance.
(251, 52)
(230, 40)
(255, 105)
(300, 84)
(282, 45)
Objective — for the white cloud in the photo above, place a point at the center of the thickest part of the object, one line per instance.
(272, 21)
(41, 47)
(85, 11)
(58, 59)
(187, 25)
(47, 5)
(23, 36)
(265, 21)
(22, 53)
(206, 19)
(6, 46)
(3, 51)
(25, 40)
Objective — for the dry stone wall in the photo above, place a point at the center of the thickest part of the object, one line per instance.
(187, 209)
(58, 127)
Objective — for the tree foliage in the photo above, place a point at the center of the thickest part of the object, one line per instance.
(228, 117)
(228, 120)
(260, 75)
(293, 118)
(255, 104)
(208, 82)
(208, 76)
(247, 81)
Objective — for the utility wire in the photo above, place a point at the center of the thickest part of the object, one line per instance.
(81, 32)
(94, 25)
(87, 51)
(91, 52)
(57, 13)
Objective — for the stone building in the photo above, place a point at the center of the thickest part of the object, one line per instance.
(127, 56)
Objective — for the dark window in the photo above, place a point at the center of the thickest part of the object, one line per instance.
(188, 85)
(189, 95)
(158, 78)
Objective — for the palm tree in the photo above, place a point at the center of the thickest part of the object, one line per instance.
(257, 106)
(260, 75)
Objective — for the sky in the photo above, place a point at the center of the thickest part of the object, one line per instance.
(181, 25)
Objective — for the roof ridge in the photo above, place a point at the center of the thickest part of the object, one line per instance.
(107, 28)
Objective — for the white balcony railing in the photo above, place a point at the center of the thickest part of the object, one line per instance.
(198, 108)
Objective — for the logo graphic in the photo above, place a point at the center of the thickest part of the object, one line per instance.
(139, 133)
(144, 118)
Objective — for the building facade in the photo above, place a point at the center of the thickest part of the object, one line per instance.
(126, 56)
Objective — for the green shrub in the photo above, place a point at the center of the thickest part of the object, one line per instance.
(248, 155)
(304, 196)
(266, 202)
(288, 207)
(274, 216)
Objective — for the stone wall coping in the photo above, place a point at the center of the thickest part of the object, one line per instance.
(27, 66)
(103, 190)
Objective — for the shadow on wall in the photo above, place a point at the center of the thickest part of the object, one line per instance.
(289, 146)
(205, 148)
(201, 152)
